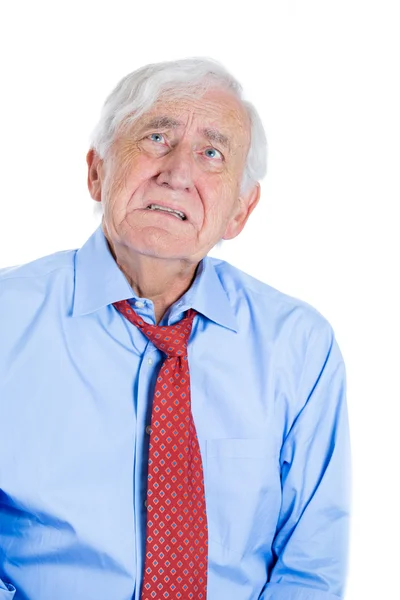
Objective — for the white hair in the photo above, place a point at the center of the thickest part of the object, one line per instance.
(136, 93)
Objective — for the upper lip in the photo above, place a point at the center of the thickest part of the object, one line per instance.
(163, 204)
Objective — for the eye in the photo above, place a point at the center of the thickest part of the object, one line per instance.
(213, 153)
(157, 137)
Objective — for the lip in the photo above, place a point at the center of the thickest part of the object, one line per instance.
(165, 214)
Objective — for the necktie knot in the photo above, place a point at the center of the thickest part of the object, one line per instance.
(171, 339)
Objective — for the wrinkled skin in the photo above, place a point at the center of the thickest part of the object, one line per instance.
(177, 162)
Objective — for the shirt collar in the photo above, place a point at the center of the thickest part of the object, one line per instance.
(99, 282)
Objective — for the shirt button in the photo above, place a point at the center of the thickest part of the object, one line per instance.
(148, 430)
(139, 304)
(150, 361)
(145, 503)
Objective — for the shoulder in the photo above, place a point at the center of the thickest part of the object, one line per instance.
(268, 305)
(31, 282)
(40, 267)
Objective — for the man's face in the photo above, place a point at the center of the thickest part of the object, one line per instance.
(184, 154)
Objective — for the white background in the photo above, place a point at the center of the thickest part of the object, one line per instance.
(325, 78)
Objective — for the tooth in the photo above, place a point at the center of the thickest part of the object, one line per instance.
(179, 213)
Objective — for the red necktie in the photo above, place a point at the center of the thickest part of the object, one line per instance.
(176, 537)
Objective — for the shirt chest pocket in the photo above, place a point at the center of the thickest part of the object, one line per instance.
(243, 493)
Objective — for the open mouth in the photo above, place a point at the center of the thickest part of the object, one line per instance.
(176, 213)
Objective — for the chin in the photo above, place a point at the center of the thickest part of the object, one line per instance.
(157, 248)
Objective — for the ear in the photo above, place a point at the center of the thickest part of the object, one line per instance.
(245, 206)
(94, 163)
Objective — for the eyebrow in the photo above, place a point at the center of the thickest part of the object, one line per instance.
(165, 122)
(213, 135)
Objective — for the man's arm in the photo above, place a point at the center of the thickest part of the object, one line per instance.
(311, 543)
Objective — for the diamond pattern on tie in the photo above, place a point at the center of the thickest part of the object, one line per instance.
(176, 558)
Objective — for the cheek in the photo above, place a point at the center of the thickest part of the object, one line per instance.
(218, 195)
(134, 170)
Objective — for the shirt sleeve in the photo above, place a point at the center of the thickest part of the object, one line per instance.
(7, 591)
(311, 542)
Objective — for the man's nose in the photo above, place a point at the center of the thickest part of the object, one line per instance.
(177, 169)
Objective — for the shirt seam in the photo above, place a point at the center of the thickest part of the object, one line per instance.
(5, 278)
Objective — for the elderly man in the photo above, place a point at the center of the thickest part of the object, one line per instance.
(171, 427)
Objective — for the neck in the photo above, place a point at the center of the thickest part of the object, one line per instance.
(161, 280)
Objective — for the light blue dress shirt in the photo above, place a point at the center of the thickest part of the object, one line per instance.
(268, 389)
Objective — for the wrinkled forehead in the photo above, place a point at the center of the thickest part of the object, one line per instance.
(217, 112)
